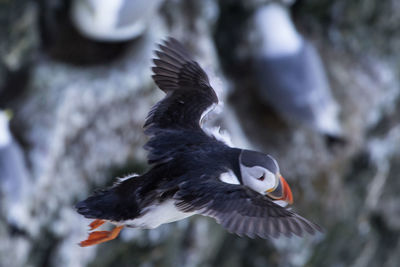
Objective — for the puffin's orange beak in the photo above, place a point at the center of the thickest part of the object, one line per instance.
(282, 191)
(287, 192)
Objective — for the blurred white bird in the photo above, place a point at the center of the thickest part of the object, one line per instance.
(113, 20)
(290, 73)
(14, 180)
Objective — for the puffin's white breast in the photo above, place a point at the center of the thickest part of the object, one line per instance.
(155, 215)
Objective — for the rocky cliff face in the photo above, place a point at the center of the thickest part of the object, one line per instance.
(79, 119)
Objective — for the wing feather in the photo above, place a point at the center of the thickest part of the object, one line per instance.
(188, 96)
(188, 90)
(241, 210)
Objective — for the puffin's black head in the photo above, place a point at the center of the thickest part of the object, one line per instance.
(261, 173)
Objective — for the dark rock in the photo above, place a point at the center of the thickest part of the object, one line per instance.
(18, 47)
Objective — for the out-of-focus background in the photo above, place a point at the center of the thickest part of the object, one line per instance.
(315, 83)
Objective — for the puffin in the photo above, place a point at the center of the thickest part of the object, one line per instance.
(193, 171)
(290, 73)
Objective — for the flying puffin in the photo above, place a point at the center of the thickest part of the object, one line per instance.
(290, 73)
(193, 172)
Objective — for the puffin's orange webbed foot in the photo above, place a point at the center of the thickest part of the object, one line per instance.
(98, 237)
(96, 223)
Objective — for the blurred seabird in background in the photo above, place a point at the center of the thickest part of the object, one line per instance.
(291, 77)
(116, 20)
(13, 175)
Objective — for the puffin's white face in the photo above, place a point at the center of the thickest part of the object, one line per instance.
(260, 172)
(259, 179)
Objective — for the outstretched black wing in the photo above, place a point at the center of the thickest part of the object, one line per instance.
(174, 123)
(188, 90)
(241, 210)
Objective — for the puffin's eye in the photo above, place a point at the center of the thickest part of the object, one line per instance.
(261, 178)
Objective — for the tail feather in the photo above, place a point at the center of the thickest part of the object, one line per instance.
(99, 206)
(115, 204)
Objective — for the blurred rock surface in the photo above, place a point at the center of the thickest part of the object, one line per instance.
(80, 126)
(18, 46)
